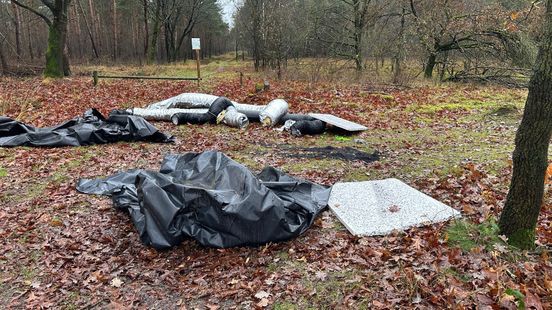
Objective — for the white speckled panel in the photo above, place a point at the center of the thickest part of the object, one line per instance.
(379, 207)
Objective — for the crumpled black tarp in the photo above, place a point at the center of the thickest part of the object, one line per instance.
(212, 199)
(91, 128)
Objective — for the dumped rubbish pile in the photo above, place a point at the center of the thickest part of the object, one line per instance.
(195, 108)
(212, 199)
(91, 128)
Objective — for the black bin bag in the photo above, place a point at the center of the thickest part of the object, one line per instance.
(214, 200)
(91, 128)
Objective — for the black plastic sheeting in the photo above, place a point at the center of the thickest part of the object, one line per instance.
(314, 127)
(219, 105)
(214, 200)
(91, 128)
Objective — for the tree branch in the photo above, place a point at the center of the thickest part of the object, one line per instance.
(44, 17)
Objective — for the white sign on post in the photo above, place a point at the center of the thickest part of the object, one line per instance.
(196, 45)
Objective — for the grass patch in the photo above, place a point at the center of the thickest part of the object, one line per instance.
(503, 103)
(331, 291)
(435, 108)
(3, 172)
(285, 306)
(313, 164)
(467, 235)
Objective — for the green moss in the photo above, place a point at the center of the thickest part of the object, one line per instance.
(285, 306)
(3, 172)
(475, 100)
(54, 69)
(523, 239)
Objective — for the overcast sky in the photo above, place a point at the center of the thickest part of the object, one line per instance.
(228, 8)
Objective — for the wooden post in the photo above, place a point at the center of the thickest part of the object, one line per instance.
(95, 77)
(198, 67)
(241, 79)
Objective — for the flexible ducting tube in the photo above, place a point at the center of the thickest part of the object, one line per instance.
(233, 118)
(221, 110)
(197, 108)
(273, 112)
(163, 114)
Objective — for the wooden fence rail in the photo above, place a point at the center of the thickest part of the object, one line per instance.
(97, 77)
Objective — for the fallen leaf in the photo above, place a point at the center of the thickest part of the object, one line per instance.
(394, 209)
(116, 282)
(320, 275)
(263, 303)
(261, 295)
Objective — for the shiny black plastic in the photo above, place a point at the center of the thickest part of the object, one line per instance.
(214, 200)
(91, 128)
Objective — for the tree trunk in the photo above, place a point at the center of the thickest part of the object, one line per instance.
(3, 62)
(152, 51)
(530, 159)
(95, 22)
(78, 29)
(431, 61)
(17, 24)
(89, 30)
(359, 28)
(31, 54)
(134, 31)
(57, 64)
(146, 28)
(399, 54)
(115, 32)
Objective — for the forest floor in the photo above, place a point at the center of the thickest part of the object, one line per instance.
(63, 249)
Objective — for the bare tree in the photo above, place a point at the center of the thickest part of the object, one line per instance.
(343, 25)
(466, 27)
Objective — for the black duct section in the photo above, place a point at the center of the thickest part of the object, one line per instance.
(214, 200)
(314, 127)
(219, 105)
(91, 128)
(191, 118)
(253, 116)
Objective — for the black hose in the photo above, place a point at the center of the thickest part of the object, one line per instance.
(219, 105)
(191, 118)
(315, 127)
